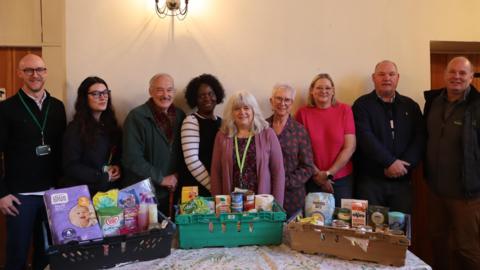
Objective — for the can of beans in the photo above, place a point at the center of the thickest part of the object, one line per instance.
(249, 201)
(237, 202)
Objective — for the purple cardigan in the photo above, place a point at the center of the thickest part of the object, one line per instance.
(270, 170)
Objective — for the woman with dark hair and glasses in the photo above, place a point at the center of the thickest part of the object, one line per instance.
(91, 144)
(198, 131)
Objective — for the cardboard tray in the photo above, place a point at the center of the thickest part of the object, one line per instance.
(111, 251)
(348, 244)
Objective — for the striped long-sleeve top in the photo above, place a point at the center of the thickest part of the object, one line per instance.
(197, 136)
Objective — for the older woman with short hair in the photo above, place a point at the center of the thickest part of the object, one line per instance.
(246, 152)
(296, 148)
(331, 128)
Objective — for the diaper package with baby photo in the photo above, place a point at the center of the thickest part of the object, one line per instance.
(71, 215)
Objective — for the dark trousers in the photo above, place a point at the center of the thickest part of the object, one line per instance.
(454, 228)
(393, 193)
(342, 188)
(20, 230)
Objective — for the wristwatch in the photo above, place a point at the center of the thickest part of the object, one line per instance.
(329, 175)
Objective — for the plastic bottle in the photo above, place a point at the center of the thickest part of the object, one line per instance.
(143, 217)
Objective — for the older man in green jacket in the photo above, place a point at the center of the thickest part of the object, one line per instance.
(151, 142)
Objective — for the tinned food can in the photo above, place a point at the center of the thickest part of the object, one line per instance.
(222, 204)
(237, 202)
(249, 201)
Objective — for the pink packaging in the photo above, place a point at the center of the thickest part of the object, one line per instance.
(71, 215)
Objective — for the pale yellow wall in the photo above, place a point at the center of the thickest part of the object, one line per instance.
(252, 44)
(24, 23)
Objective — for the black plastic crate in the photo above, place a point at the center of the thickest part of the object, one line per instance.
(111, 251)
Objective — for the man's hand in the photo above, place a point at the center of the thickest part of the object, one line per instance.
(169, 182)
(398, 168)
(7, 205)
(114, 173)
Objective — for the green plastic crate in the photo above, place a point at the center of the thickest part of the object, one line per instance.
(231, 229)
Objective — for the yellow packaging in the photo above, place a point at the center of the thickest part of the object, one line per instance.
(189, 193)
(105, 199)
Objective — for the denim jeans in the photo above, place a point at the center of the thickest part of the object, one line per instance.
(21, 229)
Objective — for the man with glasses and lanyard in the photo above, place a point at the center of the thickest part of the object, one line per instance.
(31, 128)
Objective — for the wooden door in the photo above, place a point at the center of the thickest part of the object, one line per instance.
(420, 242)
(9, 57)
(9, 85)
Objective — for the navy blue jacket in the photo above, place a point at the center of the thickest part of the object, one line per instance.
(19, 137)
(83, 164)
(376, 149)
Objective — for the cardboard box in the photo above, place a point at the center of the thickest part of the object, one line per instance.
(348, 244)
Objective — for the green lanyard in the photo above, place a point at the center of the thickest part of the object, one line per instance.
(241, 163)
(41, 127)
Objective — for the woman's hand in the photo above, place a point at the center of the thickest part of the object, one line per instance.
(321, 179)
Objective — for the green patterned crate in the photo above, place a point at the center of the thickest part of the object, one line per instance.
(232, 229)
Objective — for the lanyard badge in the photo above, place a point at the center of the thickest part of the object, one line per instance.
(241, 161)
(43, 149)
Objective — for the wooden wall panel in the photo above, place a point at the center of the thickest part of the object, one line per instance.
(21, 22)
(437, 67)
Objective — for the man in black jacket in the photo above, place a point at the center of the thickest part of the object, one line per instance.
(31, 129)
(390, 142)
(453, 168)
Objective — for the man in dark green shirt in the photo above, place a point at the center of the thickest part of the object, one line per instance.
(453, 168)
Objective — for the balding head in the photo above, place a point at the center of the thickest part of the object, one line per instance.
(385, 62)
(458, 76)
(385, 78)
(33, 72)
(162, 90)
(28, 59)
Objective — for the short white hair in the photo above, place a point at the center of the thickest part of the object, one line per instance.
(284, 86)
(160, 75)
(239, 99)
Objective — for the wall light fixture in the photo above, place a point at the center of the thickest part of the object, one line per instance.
(177, 8)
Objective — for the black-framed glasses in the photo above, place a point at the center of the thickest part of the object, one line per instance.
(30, 71)
(98, 94)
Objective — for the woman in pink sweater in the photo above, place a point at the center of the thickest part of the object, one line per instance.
(246, 153)
(331, 128)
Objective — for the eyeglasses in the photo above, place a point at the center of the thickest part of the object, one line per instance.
(321, 88)
(98, 94)
(30, 71)
(284, 100)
